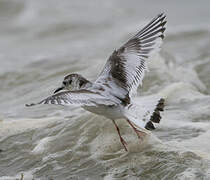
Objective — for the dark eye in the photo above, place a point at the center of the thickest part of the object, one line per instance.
(70, 81)
(64, 83)
(81, 83)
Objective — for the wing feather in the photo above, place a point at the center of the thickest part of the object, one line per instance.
(126, 66)
(78, 98)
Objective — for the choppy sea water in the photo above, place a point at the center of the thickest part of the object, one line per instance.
(41, 41)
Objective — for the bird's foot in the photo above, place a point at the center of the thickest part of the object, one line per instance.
(140, 134)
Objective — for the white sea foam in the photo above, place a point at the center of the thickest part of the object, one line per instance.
(10, 127)
(41, 145)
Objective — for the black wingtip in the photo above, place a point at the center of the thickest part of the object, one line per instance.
(160, 105)
(162, 18)
(156, 114)
(162, 14)
(150, 126)
(155, 117)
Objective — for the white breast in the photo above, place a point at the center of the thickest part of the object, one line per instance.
(111, 112)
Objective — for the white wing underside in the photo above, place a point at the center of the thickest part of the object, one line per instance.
(127, 65)
(77, 98)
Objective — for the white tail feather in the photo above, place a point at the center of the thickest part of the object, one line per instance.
(142, 112)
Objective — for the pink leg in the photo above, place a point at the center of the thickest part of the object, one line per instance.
(121, 139)
(140, 134)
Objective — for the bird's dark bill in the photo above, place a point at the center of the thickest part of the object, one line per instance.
(59, 89)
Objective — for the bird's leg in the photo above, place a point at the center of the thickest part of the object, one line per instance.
(121, 139)
(139, 133)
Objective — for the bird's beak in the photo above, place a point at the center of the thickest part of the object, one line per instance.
(59, 89)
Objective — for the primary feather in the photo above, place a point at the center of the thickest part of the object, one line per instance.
(126, 66)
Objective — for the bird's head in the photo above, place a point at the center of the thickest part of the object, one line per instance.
(73, 82)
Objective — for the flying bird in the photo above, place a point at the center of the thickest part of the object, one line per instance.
(111, 94)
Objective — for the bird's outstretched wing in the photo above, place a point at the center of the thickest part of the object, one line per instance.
(126, 66)
(78, 98)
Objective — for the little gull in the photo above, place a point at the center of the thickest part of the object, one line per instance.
(111, 94)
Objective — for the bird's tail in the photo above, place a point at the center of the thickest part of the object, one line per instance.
(145, 112)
